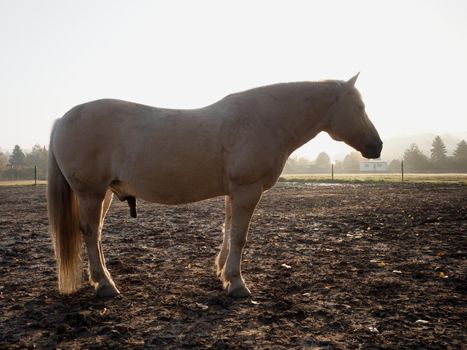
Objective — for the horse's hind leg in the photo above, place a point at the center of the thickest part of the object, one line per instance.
(244, 200)
(106, 205)
(105, 208)
(222, 256)
(91, 218)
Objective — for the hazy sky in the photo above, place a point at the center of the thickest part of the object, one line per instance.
(412, 56)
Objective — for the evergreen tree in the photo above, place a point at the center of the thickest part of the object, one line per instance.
(17, 158)
(438, 150)
(460, 156)
(415, 160)
(461, 150)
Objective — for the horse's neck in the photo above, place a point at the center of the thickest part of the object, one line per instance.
(299, 111)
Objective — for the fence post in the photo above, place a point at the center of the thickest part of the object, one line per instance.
(402, 170)
(332, 171)
(35, 175)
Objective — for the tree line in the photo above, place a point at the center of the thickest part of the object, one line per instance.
(439, 160)
(19, 165)
(414, 161)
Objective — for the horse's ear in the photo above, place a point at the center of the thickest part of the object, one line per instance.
(351, 82)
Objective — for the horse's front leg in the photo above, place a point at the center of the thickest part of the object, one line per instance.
(243, 201)
(222, 256)
(91, 219)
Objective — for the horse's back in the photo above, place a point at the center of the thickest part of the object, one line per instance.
(157, 154)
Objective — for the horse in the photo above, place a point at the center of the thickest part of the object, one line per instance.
(236, 147)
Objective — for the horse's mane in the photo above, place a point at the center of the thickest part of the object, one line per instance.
(315, 85)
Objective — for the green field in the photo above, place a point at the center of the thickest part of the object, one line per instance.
(338, 178)
(377, 178)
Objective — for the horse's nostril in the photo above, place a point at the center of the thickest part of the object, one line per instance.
(377, 145)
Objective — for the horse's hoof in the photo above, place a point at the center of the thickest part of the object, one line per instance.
(239, 292)
(107, 291)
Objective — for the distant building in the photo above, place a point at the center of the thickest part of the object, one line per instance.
(373, 166)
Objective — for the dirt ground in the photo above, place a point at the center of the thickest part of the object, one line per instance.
(330, 267)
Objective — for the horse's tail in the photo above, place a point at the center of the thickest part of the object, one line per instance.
(64, 228)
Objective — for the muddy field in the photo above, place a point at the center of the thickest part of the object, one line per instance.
(330, 267)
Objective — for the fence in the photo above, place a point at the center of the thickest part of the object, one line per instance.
(402, 176)
(34, 174)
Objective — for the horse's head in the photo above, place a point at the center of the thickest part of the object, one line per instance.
(350, 123)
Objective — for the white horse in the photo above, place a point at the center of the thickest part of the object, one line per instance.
(236, 147)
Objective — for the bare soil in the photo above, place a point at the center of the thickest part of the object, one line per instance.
(330, 267)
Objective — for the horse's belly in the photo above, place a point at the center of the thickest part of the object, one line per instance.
(174, 186)
(176, 193)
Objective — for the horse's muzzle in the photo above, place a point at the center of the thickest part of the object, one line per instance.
(373, 149)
